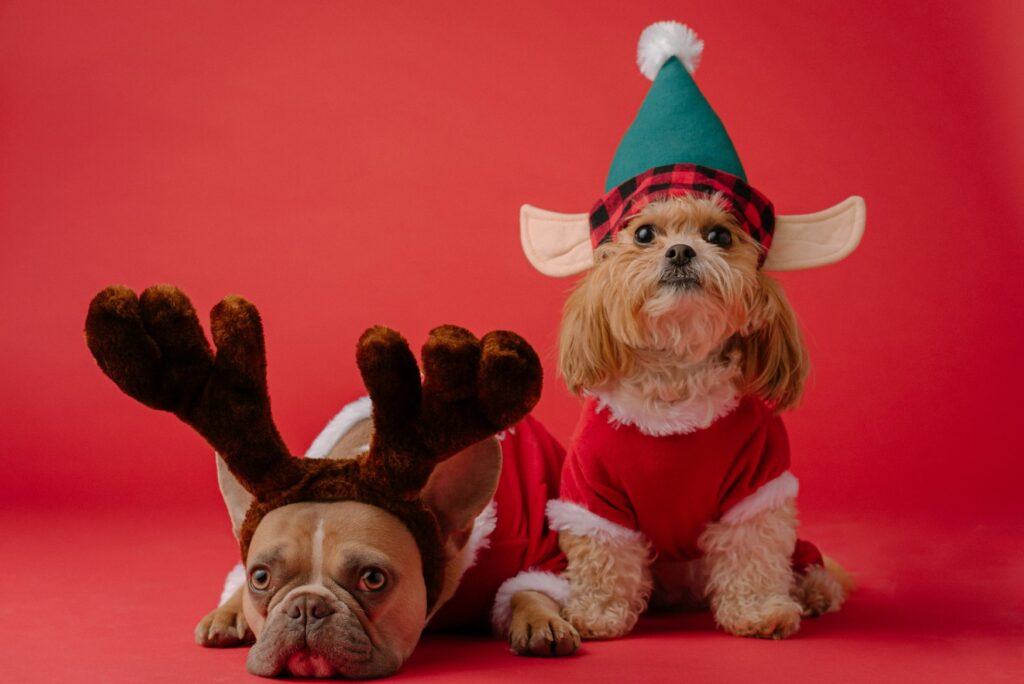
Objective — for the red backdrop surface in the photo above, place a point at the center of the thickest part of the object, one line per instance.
(346, 164)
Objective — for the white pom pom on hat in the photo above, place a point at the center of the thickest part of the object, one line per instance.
(663, 40)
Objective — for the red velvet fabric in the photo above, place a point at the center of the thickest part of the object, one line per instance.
(671, 487)
(521, 540)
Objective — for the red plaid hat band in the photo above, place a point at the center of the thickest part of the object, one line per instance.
(753, 211)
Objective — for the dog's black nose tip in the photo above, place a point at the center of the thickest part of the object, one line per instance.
(680, 254)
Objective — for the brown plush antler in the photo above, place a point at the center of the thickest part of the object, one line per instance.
(471, 389)
(154, 349)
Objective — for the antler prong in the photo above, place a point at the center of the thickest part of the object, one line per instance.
(392, 380)
(471, 389)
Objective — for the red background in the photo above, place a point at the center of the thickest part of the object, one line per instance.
(347, 164)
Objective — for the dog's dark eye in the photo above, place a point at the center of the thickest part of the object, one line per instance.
(372, 579)
(719, 236)
(644, 235)
(259, 578)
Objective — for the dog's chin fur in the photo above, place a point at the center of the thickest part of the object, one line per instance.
(670, 348)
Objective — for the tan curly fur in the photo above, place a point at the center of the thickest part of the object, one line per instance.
(750, 581)
(626, 333)
(821, 590)
(610, 582)
(621, 326)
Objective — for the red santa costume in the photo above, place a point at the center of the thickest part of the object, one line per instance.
(624, 478)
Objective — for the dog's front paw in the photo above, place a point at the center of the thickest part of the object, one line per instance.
(538, 630)
(771, 617)
(224, 627)
(818, 592)
(607, 620)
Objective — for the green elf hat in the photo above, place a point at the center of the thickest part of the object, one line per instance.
(677, 146)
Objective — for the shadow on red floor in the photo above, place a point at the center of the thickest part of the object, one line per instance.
(112, 596)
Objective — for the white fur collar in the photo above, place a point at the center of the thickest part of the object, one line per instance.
(629, 405)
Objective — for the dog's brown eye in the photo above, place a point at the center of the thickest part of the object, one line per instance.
(259, 578)
(372, 579)
(719, 236)
(644, 235)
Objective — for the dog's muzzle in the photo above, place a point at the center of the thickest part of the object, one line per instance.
(313, 635)
(677, 270)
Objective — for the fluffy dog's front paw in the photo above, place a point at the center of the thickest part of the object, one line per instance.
(771, 617)
(538, 630)
(818, 592)
(608, 620)
(223, 627)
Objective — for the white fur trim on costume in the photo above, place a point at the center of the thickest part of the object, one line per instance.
(660, 418)
(769, 496)
(234, 580)
(479, 538)
(553, 586)
(663, 40)
(570, 517)
(358, 410)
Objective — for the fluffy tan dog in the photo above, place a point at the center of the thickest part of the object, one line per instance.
(673, 331)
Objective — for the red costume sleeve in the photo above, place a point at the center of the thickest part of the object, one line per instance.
(586, 479)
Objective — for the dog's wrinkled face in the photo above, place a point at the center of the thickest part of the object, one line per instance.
(337, 589)
(680, 283)
(333, 589)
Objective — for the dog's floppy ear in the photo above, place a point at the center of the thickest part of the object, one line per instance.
(775, 362)
(236, 497)
(462, 486)
(587, 350)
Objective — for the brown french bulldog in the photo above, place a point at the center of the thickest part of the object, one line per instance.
(335, 588)
(346, 558)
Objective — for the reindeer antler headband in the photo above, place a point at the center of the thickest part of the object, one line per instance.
(154, 349)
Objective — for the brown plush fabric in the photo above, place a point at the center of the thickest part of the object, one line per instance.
(154, 349)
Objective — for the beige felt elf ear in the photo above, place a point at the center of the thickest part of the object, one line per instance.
(558, 245)
(811, 240)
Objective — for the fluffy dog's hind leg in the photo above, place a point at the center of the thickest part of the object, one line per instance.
(750, 580)
(822, 590)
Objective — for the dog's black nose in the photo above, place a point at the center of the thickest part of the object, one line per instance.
(679, 255)
(309, 608)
